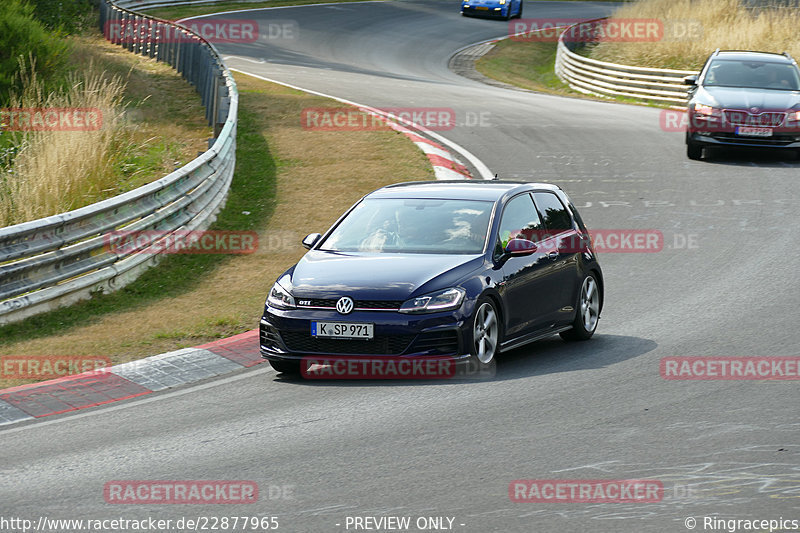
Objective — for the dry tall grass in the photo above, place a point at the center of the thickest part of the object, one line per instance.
(725, 24)
(56, 171)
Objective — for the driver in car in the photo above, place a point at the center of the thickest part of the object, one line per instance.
(383, 235)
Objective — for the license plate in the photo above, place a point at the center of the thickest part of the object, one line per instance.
(342, 330)
(482, 8)
(754, 132)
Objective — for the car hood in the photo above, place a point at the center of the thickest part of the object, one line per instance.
(739, 98)
(375, 276)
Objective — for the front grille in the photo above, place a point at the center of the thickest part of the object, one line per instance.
(388, 305)
(317, 302)
(440, 342)
(769, 119)
(775, 140)
(377, 304)
(380, 345)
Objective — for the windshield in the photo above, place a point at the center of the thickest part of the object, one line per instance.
(411, 225)
(753, 74)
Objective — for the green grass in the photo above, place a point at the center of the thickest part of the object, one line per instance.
(526, 64)
(252, 191)
(140, 163)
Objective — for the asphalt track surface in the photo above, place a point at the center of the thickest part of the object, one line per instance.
(595, 410)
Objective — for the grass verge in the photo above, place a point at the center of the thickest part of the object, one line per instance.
(288, 182)
(725, 24)
(526, 64)
(531, 65)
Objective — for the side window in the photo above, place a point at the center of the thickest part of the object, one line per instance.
(520, 220)
(555, 215)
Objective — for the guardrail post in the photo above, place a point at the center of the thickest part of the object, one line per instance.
(220, 105)
(131, 32)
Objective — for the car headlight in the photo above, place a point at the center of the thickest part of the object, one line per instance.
(502, 2)
(794, 115)
(702, 109)
(433, 302)
(280, 298)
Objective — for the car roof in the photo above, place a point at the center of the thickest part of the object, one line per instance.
(747, 55)
(489, 190)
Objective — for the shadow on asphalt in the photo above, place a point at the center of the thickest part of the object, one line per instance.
(547, 356)
(759, 157)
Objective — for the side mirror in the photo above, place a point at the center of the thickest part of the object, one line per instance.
(519, 247)
(311, 239)
(690, 80)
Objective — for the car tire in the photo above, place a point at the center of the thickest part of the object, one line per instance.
(485, 334)
(694, 151)
(521, 4)
(286, 367)
(587, 311)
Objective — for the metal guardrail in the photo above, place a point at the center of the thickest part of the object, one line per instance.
(58, 260)
(612, 79)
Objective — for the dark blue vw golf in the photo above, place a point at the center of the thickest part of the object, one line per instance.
(462, 269)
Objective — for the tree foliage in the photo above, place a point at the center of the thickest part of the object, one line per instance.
(64, 16)
(24, 37)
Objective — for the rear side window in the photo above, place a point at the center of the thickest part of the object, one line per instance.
(555, 216)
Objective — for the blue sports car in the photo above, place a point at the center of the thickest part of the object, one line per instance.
(460, 269)
(492, 8)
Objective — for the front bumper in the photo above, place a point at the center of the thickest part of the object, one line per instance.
(285, 335)
(780, 139)
(489, 11)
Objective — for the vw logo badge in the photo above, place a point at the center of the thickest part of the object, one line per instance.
(344, 305)
(754, 110)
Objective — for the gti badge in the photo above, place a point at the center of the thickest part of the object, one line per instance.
(344, 305)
